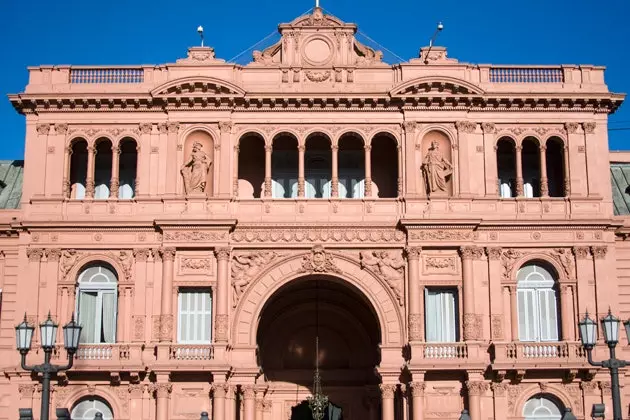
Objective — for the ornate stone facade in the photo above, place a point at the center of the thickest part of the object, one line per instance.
(314, 192)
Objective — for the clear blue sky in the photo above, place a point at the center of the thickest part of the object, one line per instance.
(158, 31)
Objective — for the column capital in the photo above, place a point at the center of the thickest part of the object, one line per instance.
(301, 148)
(61, 128)
(43, 129)
(268, 148)
(249, 392)
(417, 389)
(488, 127)
(172, 127)
(34, 254)
(410, 126)
(167, 253)
(466, 126)
(571, 127)
(494, 253)
(145, 128)
(476, 387)
(387, 390)
(469, 252)
(226, 126)
(589, 127)
(499, 389)
(222, 254)
(219, 390)
(581, 252)
(599, 252)
(162, 390)
(413, 252)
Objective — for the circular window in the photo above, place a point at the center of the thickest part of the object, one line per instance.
(88, 408)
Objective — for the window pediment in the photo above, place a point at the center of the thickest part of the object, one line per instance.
(198, 87)
(436, 86)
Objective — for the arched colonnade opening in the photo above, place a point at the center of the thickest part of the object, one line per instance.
(318, 167)
(349, 336)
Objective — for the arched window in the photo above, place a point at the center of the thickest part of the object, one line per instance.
(531, 168)
(87, 408)
(506, 167)
(251, 166)
(127, 169)
(351, 164)
(284, 167)
(78, 169)
(555, 167)
(102, 169)
(97, 303)
(318, 167)
(537, 304)
(542, 407)
(384, 163)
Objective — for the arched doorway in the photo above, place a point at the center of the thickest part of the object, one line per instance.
(349, 336)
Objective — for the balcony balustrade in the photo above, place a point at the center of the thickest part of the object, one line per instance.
(195, 352)
(449, 356)
(524, 355)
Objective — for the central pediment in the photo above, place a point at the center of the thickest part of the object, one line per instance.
(317, 41)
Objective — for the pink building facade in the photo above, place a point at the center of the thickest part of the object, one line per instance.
(440, 226)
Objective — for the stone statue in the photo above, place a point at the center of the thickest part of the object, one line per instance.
(195, 171)
(436, 168)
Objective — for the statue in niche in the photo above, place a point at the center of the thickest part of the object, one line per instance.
(436, 169)
(195, 171)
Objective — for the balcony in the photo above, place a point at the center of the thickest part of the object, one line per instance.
(195, 352)
(117, 356)
(524, 355)
(448, 356)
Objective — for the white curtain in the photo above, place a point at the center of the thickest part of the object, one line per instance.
(277, 188)
(528, 190)
(79, 191)
(358, 188)
(440, 316)
(343, 188)
(101, 192)
(125, 192)
(195, 317)
(505, 189)
(87, 316)
(109, 316)
(537, 315)
(310, 187)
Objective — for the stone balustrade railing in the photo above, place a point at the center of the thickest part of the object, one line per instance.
(191, 352)
(526, 75)
(540, 353)
(107, 75)
(445, 351)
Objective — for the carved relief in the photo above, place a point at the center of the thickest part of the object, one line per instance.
(166, 327)
(415, 327)
(508, 259)
(319, 235)
(221, 328)
(565, 257)
(497, 326)
(69, 258)
(194, 236)
(125, 258)
(317, 76)
(319, 261)
(440, 235)
(472, 326)
(245, 267)
(138, 327)
(195, 265)
(195, 170)
(390, 267)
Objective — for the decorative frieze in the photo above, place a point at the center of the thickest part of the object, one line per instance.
(194, 236)
(328, 235)
(440, 235)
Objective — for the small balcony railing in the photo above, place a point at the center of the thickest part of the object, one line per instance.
(103, 352)
(98, 75)
(539, 354)
(445, 351)
(191, 352)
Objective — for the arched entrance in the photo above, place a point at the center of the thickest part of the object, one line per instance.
(349, 337)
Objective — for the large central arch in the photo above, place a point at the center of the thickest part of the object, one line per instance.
(375, 290)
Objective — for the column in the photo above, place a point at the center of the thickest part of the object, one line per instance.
(172, 174)
(166, 303)
(568, 320)
(463, 129)
(368, 170)
(544, 180)
(235, 175)
(230, 403)
(139, 314)
(399, 183)
(259, 409)
(136, 393)
(603, 298)
(301, 152)
(89, 183)
(222, 160)
(163, 393)
(417, 404)
(66, 188)
(593, 159)
(415, 299)
(267, 410)
(334, 190)
(387, 401)
(475, 390)
(54, 165)
(218, 402)
(497, 314)
(223, 287)
(268, 150)
(410, 162)
(472, 322)
(514, 312)
(519, 170)
(507, 317)
(115, 182)
(143, 170)
(33, 309)
(490, 159)
(567, 176)
(576, 160)
(249, 401)
(43, 142)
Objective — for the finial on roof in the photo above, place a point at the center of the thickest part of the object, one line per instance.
(317, 3)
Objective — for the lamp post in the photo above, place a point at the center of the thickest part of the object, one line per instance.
(48, 331)
(588, 335)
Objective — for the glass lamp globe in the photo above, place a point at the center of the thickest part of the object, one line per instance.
(48, 331)
(610, 325)
(588, 332)
(71, 335)
(24, 336)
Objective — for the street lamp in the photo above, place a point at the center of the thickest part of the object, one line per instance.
(588, 335)
(48, 332)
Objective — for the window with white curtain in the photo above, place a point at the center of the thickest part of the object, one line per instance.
(441, 315)
(283, 186)
(194, 321)
(540, 407)
(537, 304)
(88, 408)
(97, 304)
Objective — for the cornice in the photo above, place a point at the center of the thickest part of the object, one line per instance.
(310, 101)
